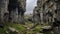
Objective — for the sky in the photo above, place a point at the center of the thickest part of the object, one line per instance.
(30, 4)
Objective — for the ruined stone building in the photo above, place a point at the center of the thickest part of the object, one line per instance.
(12, 10)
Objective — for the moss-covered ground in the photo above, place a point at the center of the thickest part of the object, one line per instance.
(22, 28)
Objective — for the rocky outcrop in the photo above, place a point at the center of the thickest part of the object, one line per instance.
(49, 11)
(3, 9)
(12, 10)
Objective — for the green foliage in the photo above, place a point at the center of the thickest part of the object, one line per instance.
(38, 28)
(18, 27)
(30, 32)
(21, 28)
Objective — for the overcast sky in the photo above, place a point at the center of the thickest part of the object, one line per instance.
(30, 4)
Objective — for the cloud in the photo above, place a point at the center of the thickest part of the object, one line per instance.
(30, 4)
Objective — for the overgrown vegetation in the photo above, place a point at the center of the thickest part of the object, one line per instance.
(18, 27)
(22, 28)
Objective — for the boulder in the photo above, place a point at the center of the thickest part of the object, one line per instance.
(12, 30)
(46, 29)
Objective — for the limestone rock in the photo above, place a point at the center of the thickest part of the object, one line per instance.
(46, 27)
(13, 30)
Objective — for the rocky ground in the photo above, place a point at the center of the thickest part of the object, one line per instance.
(10, 28)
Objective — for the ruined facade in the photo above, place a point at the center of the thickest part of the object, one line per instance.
(12, 10)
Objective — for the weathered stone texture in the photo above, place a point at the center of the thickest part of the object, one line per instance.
(3, 9)
(11, 9)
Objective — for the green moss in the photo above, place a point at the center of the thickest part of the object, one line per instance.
(38, 28)
(18, 27)
(21, 28)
